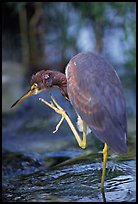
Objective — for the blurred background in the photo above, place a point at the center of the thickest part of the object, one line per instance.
(46, 35)
(40, 35)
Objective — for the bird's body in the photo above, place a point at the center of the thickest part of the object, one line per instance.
(96, 93)
(93, 87)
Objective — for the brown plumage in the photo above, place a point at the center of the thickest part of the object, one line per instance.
(50, 78)
(96, 93)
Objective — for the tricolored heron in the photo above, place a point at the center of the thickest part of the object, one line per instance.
(94, 89)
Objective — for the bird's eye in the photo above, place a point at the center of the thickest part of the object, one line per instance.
(48, 80)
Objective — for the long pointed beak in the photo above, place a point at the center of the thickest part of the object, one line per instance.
(26, 95)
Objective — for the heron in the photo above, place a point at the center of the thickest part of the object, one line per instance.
(94, 89)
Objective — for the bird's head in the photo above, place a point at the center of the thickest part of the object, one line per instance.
(41, 81)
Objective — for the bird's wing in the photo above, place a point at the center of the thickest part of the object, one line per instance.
(98, 100)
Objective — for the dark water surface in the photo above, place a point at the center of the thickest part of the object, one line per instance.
(29, 179)
(41, 166)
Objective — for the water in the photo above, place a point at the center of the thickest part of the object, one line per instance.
(76, 179)
(41, 166)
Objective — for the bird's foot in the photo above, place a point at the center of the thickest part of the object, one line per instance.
(57, 108)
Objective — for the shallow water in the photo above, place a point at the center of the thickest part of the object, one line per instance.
(41, 166)
(75, 179)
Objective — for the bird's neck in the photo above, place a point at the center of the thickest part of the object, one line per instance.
(60, 81)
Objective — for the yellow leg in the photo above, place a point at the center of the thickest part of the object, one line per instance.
(54, 105)
(84, 135)
(105, 155)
